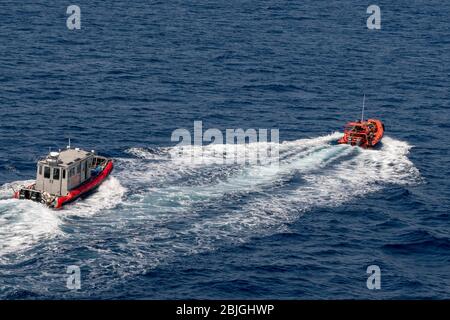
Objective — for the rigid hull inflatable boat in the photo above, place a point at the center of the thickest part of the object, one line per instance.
(365, 134)
(64, 176)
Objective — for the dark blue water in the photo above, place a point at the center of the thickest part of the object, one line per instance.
(159, 229)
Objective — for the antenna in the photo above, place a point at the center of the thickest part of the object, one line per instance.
(68, 147)
(364, 103)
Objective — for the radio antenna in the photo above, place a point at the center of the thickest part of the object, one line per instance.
(364, 104)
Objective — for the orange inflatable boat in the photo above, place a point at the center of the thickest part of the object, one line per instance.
(365, 134)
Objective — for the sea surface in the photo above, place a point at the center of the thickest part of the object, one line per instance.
(162, 227)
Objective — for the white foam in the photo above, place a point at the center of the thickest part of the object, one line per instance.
(108, 195)
(330, 175)
(366, 171)
(7, 190)
(25, 223)
(310, 154)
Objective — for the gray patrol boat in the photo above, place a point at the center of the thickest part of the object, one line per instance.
(64, 176)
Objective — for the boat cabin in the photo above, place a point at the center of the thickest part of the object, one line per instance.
(63, 171)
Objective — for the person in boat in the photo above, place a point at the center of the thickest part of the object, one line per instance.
(95, 172)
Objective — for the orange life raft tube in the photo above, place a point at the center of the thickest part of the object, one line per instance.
(365, 134)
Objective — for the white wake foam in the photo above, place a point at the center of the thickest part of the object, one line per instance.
(363, 172)
(252, 200)
(25, 223)
(108, 195)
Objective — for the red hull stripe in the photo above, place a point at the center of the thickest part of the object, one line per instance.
(75, 193)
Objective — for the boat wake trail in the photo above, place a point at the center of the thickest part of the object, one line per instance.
(178, 209)
(158, 207)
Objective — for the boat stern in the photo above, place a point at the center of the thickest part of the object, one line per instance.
(28, 194)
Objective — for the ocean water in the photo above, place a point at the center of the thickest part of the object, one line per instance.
(164, 228)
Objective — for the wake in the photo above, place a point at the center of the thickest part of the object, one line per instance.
(174, 207)
(25, 223)
(212, 204)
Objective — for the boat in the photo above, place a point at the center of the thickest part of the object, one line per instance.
(364, 134)
(65, 176)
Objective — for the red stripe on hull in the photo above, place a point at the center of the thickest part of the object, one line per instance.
(84, 188)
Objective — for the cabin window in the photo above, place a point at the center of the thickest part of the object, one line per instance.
(40, 170)
(72, 172)
(64, 174)
(56, 174)
(78, 168)
(83, 169)
(47, 172)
